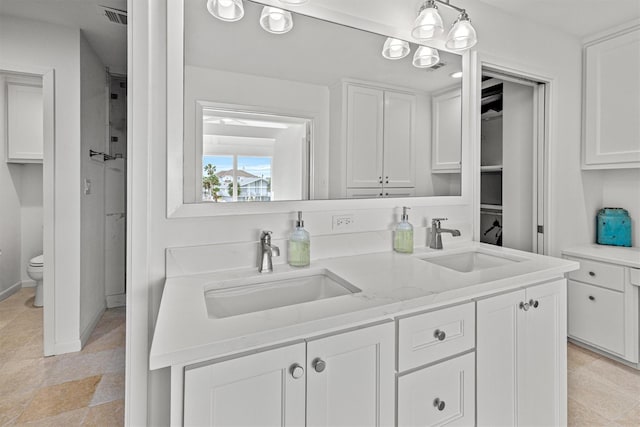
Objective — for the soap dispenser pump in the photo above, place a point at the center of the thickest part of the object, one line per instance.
(299, 245)
(403, 236)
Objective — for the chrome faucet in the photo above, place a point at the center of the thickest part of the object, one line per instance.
(267, 251)
(436, 238)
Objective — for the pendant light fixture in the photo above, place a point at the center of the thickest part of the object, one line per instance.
(226, 10)
(395, 49)
(428, 26)
(426, 57)
(275, 20)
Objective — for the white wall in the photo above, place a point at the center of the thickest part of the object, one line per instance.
(93, 122)
(10, 219)
(45, 46)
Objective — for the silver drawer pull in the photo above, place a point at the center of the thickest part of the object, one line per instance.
(592, 298)
(524, 306)
(439, 404)
(296, 371)
(440, 335)
(318, 364)
(592, 274)
(534, 303)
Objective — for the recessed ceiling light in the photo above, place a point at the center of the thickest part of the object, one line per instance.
(456, 75)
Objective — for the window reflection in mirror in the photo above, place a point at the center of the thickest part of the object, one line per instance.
(316, 113)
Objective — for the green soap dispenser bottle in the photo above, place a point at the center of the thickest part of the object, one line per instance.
(299, 245)
(403, 236)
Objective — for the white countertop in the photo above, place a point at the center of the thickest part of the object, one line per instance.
(629, 257)
(392, 285)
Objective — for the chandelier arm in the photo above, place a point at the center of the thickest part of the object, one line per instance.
(446, 3)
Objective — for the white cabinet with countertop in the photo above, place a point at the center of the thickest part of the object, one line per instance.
(398, 348)
(603, 298)
(611, 137)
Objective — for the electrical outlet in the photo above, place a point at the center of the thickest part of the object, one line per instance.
(342, 222)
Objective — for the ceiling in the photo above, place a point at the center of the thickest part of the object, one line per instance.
(109, 40)
(581, 18)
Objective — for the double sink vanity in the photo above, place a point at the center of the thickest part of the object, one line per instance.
(472, 334)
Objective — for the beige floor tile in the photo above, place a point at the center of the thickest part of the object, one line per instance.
(110, 388)
(581, 416)
(12, 339)
(601, 397)
(75, 366)
(107, 339)
(107, 415)
(12, 405)
(577, 356)
(27, 319)
(65, 419)
(54, 400)
(618, 375)
(18, 375)
(630, 418)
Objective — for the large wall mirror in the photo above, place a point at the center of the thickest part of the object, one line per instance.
(317, 113)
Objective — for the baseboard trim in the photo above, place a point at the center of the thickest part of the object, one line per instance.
(114, 301)
(10, 291)
(84, 337)
(67, 347)
(28, 283)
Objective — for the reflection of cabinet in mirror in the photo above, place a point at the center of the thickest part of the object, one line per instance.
(447, 131)
(376, 140)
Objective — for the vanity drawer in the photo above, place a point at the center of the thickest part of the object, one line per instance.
(451, 382)
(598, 273)
(596, 315)
(428, 337)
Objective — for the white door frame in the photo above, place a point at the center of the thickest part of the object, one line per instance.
(48, 199)
(544, 96)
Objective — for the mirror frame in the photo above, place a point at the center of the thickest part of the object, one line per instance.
(176, 208)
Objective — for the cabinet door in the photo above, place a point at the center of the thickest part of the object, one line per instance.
(498, 324)
(364, 136)
(350, 378)
(450, 382)
(399, 115)
(446, 143)
(253, 390)
(24, 123)
(542, 351)
(612, 102)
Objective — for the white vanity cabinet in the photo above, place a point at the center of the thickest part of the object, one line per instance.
(24, 121)
(612, 101)
(446, 148)
(342, 379)
(604, 304)
(522, 357)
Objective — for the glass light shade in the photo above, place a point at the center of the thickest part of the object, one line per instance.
(462, 34)
(426, 57)
(276, 21)
(226, 10)
(293, 2)
(395, 49)
(428, 24)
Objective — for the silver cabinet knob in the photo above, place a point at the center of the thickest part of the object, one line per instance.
(439, 404)
(524, 306)
(592, 274)
(534, 303)
(296, 371)
(592, 298)
(440, 335)
(318, 364)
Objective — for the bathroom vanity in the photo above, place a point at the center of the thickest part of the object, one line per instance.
(373, 339)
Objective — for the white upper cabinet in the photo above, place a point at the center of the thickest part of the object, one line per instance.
(446, 148)
(24, 125)
(380, 138)
(612, 102)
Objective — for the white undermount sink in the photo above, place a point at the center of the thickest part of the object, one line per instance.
(467, 262)
(270, 290)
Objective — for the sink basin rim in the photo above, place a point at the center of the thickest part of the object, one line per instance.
(492, 259)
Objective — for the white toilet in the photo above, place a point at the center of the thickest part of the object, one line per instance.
(34, 270)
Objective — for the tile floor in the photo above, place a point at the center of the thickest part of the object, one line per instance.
(83, 388)
(602, 392)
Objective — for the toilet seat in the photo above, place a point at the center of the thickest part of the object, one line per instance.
(36, 261)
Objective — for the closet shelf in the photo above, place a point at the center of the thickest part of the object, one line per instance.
(491, 168)
(491, 207)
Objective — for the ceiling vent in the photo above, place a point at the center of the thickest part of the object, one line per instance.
(435, 67)
(115, 16)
